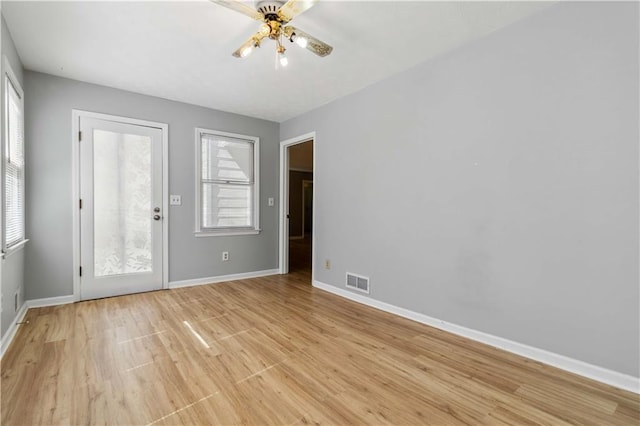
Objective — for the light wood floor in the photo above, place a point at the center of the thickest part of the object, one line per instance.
(276, 351)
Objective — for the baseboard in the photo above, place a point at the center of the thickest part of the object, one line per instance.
(50, 301)
(223, 278)
(610, 377)
(11, 332)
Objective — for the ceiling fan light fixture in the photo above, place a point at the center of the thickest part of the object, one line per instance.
(246, 51)
(275, 15)
(282, 58)
(300, 41)
(265, 30)
(248, 46)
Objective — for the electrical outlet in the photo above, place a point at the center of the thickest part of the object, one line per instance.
(225, 256)
(327, 264)
(271, 201)
(175, 200)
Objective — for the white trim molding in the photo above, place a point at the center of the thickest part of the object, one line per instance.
(50, 301)
(283, 211)
(14, 249)
(581, 368)
(13, 328)
(223, 278)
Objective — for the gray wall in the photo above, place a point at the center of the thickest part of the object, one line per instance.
(49, 101)
(12, 268)
(496, 187)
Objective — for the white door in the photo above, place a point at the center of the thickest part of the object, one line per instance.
(120, 215)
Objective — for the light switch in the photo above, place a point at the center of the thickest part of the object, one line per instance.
(175, 200)
(271, 202)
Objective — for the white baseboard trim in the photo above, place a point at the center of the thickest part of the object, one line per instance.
(50, 301)
(610, 377)
(223, 278)
(13, 328)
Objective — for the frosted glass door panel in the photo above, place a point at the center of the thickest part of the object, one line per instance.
(122, 203)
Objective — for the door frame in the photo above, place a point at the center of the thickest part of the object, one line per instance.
(283, 241)
(76, 115)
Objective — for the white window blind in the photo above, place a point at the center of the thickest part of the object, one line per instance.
(14, 166)
(227, 182)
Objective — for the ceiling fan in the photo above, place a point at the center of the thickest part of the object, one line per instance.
(275, 15)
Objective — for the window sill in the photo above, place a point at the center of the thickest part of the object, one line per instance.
(227, 233)
(15, 248)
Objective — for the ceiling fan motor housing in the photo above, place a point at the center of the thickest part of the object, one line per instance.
(269, 8)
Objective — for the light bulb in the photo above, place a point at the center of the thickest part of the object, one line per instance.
(246, 51)
(283, 59)
(301, 41)
(265, 30)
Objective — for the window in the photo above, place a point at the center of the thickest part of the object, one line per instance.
(227, 194)
(13, 156)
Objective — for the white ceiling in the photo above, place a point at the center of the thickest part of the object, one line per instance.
(182, 50)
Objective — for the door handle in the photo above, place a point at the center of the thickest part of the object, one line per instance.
(156, 217)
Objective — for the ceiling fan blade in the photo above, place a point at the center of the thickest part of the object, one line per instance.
(241, 7)
(311, 43)
(293, 8)
(248, 46)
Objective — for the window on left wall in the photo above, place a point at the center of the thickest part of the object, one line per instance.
(13, 213)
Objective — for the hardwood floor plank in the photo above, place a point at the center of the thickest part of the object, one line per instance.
(274, 350)
(517, 414)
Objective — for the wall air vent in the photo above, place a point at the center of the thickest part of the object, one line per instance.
(358, 282)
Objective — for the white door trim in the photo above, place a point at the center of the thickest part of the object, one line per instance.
(283, 264)
(75, 189)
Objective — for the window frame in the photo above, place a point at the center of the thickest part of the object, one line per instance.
(11, 81)
(201, 231)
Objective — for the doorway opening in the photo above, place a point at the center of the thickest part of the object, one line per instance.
(300, 206)
(297, 206)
